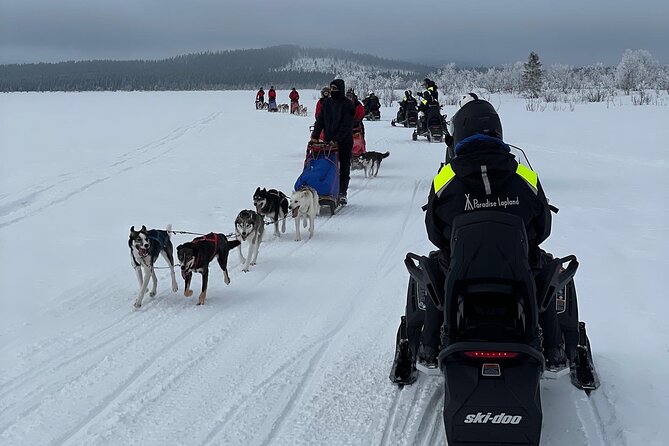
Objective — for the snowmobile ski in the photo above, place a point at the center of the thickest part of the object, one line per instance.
(556, 373)
(403, 372)
(582, 370)
(428, 370)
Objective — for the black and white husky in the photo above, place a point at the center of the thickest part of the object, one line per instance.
(249, 227)
(145, 247)
(372, 161)
(304, 205)
(272, 204)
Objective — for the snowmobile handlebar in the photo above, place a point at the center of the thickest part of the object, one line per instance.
(567, 274)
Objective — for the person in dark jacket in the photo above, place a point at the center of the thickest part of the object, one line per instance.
(430, 88)
(484, 175)
(372, 106)
(336, 120)
(407, 104)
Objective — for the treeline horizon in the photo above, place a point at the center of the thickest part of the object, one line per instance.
(209, 70)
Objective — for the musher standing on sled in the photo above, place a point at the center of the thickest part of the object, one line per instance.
(336, 119)
(294, 97)
(271, 99)
(483, 171)
(260, 96)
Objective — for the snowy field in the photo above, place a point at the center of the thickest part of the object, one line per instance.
(296, 351)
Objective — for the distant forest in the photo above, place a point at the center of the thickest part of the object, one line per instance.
(224, 70)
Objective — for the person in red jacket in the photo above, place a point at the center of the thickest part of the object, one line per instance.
(325, 93)
(271, 95)
(294, 97)
(359, 112)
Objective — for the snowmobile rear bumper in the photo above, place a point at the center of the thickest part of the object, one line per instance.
(492, 393)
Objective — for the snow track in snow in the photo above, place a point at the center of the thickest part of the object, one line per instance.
(296, 351)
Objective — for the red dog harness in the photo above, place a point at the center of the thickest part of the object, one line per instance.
(211, 237)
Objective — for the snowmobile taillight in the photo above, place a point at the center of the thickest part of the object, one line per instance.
(491, 355)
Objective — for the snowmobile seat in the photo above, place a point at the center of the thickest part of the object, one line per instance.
(490, 347)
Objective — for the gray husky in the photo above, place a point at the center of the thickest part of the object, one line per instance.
(249, 227)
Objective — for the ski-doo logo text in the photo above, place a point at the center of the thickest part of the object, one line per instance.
(483, 418)
(470, 204)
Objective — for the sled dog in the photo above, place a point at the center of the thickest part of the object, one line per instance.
(145, 247)
(272, 204)
(372, 161)
(284, 108)
(195, 256)
(249, 226)
(304, 205)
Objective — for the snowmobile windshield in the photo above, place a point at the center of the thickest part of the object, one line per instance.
(519, 155)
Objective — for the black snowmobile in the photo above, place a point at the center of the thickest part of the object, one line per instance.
(491, 342)
(430, 124)
(406, 116)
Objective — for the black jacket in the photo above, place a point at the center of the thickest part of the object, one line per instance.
(408, 103)
(336, 117)
(485, 176)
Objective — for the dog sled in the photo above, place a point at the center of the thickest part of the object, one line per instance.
(321, 172)
(359, 147)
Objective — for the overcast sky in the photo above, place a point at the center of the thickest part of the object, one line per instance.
(473, 32)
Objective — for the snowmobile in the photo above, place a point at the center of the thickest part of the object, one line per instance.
(373, 115)
(430, 124)
(491, 341)
(407, 117)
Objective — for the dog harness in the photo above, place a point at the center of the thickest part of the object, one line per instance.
(211, 237)
(161, 237)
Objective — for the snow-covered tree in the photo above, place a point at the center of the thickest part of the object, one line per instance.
(532, 76)
(636, 71)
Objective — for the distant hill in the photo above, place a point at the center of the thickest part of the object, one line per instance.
(283, 66)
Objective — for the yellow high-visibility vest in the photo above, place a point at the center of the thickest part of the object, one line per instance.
(446, 175)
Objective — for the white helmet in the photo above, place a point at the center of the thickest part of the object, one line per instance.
(467, 98)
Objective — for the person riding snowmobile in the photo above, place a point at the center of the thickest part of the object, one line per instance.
(407, 104)
(431, 88)
(483, 173)
(372, 106)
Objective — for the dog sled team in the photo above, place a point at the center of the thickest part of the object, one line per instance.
(295, 108)
(323, 182)
(147, 245)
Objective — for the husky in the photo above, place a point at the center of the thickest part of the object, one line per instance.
(273, 204)
(371, 160)
(196, 255)
(284, 108)
(249, 225)
(145, 247)
(304, 205)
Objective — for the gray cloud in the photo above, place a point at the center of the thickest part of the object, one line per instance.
(475, 32)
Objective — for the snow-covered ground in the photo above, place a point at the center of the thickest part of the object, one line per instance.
(297, 351)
